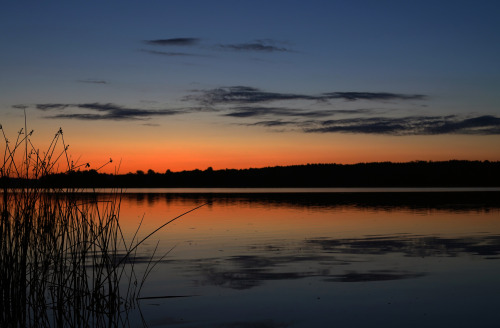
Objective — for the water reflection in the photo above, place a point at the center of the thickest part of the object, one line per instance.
(446, 201)
(319, 260)
(331, 260)
(420, 246)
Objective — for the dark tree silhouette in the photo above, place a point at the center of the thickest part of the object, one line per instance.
(384, 174)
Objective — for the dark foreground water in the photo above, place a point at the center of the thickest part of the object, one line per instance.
(320, 259)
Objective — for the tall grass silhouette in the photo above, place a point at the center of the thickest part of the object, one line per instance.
(64, 260)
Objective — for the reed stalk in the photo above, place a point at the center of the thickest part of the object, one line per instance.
(64, 261)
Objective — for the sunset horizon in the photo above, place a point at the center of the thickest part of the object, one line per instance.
(264, 163)
(184, 85)
(196, 156)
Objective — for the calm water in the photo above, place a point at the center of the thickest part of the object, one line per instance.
(320, 259)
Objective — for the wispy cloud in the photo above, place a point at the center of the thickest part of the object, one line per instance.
(244, 112)
(412, 125)
(245, 94)
(46, 107)
(93, 81)
(241, 95)
(173, 42)
(170, 53)
(273, 123)
(372, 96)
(256, 46)
(106, 111)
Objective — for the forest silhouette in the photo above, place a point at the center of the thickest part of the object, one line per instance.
(452, 173)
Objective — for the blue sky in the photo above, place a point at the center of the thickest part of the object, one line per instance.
(255, 68)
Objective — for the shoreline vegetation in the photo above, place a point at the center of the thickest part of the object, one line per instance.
(453, 173)
(64, 259)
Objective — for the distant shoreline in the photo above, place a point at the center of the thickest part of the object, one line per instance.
(421, 174)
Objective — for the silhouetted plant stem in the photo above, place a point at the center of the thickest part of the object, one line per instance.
(64, 259)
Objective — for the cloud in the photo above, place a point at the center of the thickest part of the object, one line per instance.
(412, 125)
(173, 42)
(257, 46)
(262, 45)
(93, 81)
(106, 111)
(242, 95)
(247, 103)
(20, 106)
(170, 54)
(486, 124)
(273, 123)
(306, 121)
(245, 94)
(244, 112)
(372, 96)
(45, 107)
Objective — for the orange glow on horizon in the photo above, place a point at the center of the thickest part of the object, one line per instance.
(283, 149)
(171, 147)
(198, 157)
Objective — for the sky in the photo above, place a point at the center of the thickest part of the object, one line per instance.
(184, 85)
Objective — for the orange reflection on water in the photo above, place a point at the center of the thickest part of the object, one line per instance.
(310, 255)
(229, 223)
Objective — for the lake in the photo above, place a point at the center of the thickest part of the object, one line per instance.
(319, 257)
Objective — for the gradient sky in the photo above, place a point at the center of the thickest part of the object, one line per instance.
(235, 84)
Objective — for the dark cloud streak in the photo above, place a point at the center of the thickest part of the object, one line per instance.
(255, 47)
(45, 107)
(248, 100)
(170, 54)
(262, 45)
(106, 111)
(93, 81)
(173, 42)
(273, 123)
(245, 94)
(412, 125)
(244, 112)
(372, 96)
(242, 95)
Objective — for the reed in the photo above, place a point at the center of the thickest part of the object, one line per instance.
(64, 261)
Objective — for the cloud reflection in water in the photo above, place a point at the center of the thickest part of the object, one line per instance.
(337, 260)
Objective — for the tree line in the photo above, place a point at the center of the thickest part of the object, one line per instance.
(453, 173)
